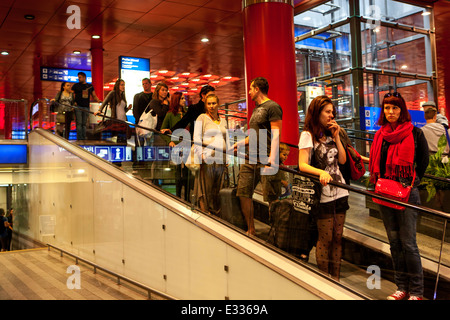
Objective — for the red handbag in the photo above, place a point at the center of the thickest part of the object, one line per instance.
(392, 189)
(357, 168)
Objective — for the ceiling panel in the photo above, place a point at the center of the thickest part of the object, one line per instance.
(169, 33)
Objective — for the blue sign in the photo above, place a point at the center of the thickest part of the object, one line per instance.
(133, 63)
(59, 74)
(342, 42)
(163, 153)
(369, 117)
(102, 152)
(153, 153)
(418, 118)
(149, 154)
(111, 153)
(13, 153)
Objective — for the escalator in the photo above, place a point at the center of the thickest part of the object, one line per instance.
(97, 211)
(125, 216)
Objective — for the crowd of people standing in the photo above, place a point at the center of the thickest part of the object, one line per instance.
(400, 152)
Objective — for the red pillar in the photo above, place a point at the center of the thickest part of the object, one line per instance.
(269, 52)
(441, 16)
(97, 66)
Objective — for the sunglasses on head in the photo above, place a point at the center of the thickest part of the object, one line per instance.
(393, 94)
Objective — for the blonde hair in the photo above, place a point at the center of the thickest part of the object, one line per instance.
(284, 147)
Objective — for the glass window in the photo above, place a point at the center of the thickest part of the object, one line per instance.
(394, 11)
(415, 92)
(322, 15)
(397, 50)
(338, 89)
(323, 53)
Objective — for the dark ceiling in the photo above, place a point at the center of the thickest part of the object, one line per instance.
(167, 32)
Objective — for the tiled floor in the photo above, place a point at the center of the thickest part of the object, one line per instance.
(40, 274)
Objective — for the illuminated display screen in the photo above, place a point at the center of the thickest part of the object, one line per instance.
(132, 70)
(13, 153)
(58, 74)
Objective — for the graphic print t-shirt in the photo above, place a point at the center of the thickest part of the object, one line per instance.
(261, 117)
(326, 158)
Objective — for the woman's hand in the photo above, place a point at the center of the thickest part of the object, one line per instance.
(325, 178)
(334, 128)
(97, 112)
(172, 144)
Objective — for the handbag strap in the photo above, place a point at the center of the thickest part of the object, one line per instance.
(446, 134)
(414, 178)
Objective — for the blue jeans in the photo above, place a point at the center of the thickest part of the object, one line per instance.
(81, 120)
(401, 231)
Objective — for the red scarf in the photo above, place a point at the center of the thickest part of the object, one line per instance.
(400, 157)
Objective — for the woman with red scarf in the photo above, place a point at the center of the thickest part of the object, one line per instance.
(398, 150)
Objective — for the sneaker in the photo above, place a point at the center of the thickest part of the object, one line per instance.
(415, 298)
(398, 295)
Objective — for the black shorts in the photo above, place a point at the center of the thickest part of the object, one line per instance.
(328, 209)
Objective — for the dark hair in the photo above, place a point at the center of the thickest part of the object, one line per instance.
(397, 100)
(62, 85)
(262, 84)
(175, 106)
(147, 79)
(2, 212)
(158, 88)
(117, 94)
(206, 89)
(82, 74)
(312, 120)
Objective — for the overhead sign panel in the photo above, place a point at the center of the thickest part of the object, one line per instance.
(59, 74)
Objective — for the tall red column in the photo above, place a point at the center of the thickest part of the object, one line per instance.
(97, 66)
(269, 52)
(441, 16)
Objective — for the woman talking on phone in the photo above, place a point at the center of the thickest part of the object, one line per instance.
(320, 153)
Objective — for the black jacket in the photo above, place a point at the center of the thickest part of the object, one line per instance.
(188, 119)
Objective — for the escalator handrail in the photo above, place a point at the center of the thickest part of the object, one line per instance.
(312, 177)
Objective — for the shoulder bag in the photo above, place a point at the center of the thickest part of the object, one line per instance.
(147, 120)
(392, 189)
(356, 163)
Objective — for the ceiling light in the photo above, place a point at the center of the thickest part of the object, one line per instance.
(4, 53)
(205, 40)
(426, 13)
(95, 36)
(76, 52)
(377, 29)
(404, 66)
(29, 17)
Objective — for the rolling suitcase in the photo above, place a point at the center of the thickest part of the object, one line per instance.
(231, 208)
